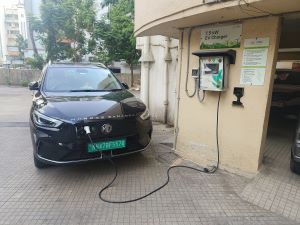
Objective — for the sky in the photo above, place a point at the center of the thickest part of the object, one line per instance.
(9, 2)
(97, 4)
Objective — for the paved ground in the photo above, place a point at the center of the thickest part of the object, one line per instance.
(69, 195)
(276, 188)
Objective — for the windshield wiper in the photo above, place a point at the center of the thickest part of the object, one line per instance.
(87, 90)
(95, 90)
(117, 89)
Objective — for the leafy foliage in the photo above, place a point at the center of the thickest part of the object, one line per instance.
(22, 45)
(79, 27)
(33, 25)
(36, 62)
(65, 28)
(115, 35)
(68, 30)
(108, 2)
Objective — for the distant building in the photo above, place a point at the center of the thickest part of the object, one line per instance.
(12, 23)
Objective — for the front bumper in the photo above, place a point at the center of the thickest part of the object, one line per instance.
(69, 146)
(78, 161)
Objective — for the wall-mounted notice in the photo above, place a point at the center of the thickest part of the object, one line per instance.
(218, 37)
(254, 61)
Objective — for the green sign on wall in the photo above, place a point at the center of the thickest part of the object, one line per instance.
(218, 37)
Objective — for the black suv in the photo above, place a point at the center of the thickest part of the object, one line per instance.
(81, 112)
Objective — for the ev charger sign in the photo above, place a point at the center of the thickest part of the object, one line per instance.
(212, 73)
(218, 37)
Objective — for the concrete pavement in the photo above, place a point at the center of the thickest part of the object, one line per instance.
(69, 195)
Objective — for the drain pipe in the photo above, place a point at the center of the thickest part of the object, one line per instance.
(146, 83)
(168, 59)
(146, 59)
(178, 89)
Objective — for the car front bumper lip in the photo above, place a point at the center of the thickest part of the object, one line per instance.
(55, 162)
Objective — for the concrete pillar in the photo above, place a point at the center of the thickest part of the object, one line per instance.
(146, 59)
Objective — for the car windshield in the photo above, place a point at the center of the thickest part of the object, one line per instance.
(77, 79)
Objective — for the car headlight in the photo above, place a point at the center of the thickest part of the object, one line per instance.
(45, 121)
(145, 115)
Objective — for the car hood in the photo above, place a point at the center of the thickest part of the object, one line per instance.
(76, 107)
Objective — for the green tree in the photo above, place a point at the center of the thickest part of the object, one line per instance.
(79, 27)
(48, 30)
(116, 35)
(33, 24)
(37, 62)
(105, 3)
(65, 28)
(22, 45)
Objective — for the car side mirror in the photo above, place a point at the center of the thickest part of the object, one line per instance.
(33, 86)
(125, 85)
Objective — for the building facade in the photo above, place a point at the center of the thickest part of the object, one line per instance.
(12, 23)
(254, 31)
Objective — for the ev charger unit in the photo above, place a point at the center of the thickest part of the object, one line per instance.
(213, 69)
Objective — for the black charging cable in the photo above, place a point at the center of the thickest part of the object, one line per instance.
(188, 66)
(205, 170)
(217, 131)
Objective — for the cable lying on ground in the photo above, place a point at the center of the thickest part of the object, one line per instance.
(205, 170)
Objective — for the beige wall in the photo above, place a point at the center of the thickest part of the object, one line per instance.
(242, 131)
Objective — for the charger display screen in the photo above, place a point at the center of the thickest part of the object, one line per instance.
(212, 71)
(211, 68)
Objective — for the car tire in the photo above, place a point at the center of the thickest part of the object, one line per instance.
(38, 164)
(295, 166)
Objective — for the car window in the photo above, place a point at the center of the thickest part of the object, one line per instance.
(65, 79)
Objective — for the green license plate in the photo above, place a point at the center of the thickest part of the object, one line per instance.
(106, 145)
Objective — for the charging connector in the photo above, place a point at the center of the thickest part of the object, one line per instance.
(87, 129)
(88, 132)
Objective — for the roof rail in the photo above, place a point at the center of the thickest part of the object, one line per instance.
(80, 63)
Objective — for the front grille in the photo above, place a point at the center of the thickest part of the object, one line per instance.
(122, 127)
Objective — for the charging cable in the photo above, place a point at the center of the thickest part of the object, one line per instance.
(203, 96)
(188, 67)
(204, 170)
